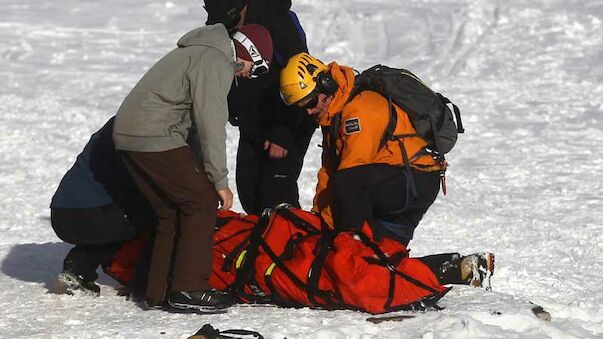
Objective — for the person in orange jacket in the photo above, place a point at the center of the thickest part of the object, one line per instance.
(363, 177)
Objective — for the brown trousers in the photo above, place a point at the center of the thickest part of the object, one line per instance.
(186, 205)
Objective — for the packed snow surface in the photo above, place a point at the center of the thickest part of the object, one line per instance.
(525, 181)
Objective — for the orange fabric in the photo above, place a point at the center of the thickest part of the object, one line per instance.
(123, 264)
(361, 147)
(351, 276)
(350, 262)
(235, 229)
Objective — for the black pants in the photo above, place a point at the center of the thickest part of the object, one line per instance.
(263, 182)
(97, 233)
(445, 266)
(380, 194)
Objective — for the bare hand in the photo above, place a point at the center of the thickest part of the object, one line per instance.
(275, 151)
(226, 199)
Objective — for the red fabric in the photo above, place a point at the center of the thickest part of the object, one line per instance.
(352, 277)
(236, 229)
(279, 233)
(365, 285)
(123, 265)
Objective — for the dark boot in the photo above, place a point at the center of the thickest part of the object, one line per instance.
(477, 268)
(208, 301)
(71, 283)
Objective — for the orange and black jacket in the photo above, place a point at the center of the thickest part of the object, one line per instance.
(362, 122)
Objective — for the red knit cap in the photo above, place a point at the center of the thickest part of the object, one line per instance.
(260, 37)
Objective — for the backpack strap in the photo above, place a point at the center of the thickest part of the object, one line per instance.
(388, 134)
(409, 174)
(331, 143)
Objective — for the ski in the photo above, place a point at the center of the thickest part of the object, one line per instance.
(537, 310)
(377, 320)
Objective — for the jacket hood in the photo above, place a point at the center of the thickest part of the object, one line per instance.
(215, 36)
(344, 76)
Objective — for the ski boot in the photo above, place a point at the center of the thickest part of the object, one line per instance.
(477, 269)
(71, 283)
(209, 301)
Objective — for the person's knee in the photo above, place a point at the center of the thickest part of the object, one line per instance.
(402, 232)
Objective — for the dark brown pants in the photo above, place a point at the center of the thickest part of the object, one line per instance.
(185, 203)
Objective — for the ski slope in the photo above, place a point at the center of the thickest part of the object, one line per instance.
(525, 181)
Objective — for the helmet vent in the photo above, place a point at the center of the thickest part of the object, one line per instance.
(311, 68)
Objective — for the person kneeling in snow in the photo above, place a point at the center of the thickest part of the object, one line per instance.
(364, 175)
(97, 207)
(72, 213)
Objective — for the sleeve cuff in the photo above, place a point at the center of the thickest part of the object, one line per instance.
(221, 184)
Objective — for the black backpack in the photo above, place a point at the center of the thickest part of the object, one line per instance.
(427, 110)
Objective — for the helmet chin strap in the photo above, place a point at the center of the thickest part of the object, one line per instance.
(260, 66)
(234, 50)
(235, 64)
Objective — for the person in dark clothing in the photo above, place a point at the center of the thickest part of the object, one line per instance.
(230, 13)
(96, 207)
(274, 138)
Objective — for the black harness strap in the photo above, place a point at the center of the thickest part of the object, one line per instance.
(385, 261)
(322, 247)
(245, 273)
(297, 221)
(321, 250)
(233, 254)
(280, 264)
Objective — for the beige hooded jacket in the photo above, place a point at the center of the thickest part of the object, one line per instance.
(187, 88)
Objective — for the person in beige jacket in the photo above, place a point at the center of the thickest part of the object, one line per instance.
(170, 130)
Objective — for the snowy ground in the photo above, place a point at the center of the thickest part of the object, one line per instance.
(525, 182)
